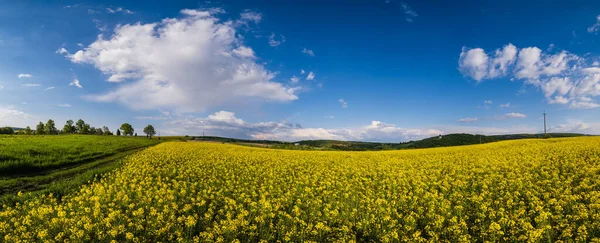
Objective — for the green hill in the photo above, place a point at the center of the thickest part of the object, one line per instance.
(457, 139)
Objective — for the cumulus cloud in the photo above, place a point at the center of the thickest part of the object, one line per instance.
(62, 51)
(76, 83)
(187, 63)
(308, 52)
(563, 78)
(273, 40)
(468, 119)
(25, 75)
(475, 63)
(343, 103)
(10, 116)
(310, 76)
(226, 124)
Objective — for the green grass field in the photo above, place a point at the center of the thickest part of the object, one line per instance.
(25, 155)
(59, 164)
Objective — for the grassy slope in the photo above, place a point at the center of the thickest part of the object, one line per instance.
(25, 155)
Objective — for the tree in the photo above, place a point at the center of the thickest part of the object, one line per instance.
(79, 126)
(69, 128)
(149, 131)
(118, 132)
(106, 131)
(127, 129)
(50, 128)
(99, 131)
(39, 130)
(7, 130)
(85, 129)
(28, 130)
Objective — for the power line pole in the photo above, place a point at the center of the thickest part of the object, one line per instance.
(544, 123)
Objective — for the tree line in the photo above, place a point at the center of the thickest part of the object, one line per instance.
(79, 127)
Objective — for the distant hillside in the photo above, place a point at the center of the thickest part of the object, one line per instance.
(433, 142)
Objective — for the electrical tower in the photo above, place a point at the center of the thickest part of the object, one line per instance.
(544, 123)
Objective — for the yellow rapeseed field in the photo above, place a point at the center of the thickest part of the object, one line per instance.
(515, 191)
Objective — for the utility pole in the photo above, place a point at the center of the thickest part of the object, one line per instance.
(544, 123)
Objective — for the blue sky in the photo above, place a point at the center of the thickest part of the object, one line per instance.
(287, 70)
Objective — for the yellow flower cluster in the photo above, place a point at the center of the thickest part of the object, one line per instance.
(513, 191)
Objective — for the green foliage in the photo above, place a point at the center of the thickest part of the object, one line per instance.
(39, 130)
(127, 129)
(50, 128)
(31, 154)
(28, 131)
(118, 132)
(149, 131)
(6, 130)
(69, 128)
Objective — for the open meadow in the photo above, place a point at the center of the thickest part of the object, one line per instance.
(515, 191)
(57, 164)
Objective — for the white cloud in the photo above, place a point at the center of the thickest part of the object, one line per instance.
(584, 103)
(119, 9)
(25, 75)
(188, 63)
(409, 14)
(564, 78)
(596, 63)
(310, 76)
(251, 16)
(1, 87)
(507, 105)
(226, 124)
(487, 102)
(62, 51)
(468, 119)
(302, 71)
(294, 79)
(50, 88)
(64, 105)
(76, 83)
(511, 115)
(151, 118)
(329, 117)
(243, 51)
(308, 52)
(594, 28)
(475, 63)
(343, 103)
(10, 116)
(31, 85)
(274, 42)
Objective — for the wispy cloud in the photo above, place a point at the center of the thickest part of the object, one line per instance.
(507, 105)
(25, 75)
(468, 119)
(50, 88)
(343, 103)
(31, 85)
(273, 40)
(308, 52)
(512, 115)
(409, 13)
(76, 83)
(64, 105)
(330, 117)
(310, 76)
(119, 9)
(594, 28)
